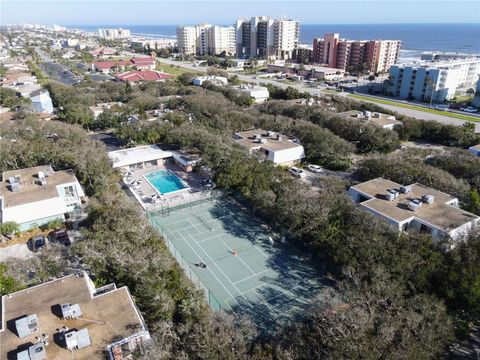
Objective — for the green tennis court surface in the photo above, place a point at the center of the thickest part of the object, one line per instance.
(248, 270)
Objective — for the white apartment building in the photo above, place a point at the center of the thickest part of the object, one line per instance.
(433, 80)
(34, 196)
(416, 208)
(112, 34)
(285, 38)
(266, 38)
(187, 39)
(275, 147)
(220, 40)
(206, 39)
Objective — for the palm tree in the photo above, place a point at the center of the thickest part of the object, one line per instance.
(429, 83)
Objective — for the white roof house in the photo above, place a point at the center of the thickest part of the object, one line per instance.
(278, 148)
(103, 321)
(414, 207)
(216, 80)
(258, 93)
(384, 121)
(138, 157)
(34, 196)
(475, 150)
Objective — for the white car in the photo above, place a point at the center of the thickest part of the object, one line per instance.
(469, 109)
(314, 168)
(295, 171)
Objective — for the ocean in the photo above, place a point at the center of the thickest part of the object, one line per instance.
(415, 38)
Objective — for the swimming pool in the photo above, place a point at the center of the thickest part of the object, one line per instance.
(165, 181)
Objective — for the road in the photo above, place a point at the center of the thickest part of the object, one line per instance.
(421, 115)
(56, 71)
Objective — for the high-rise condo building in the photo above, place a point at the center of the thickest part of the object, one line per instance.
(112, 34)
(372, 55)
(206, 39)
(187, 39)
(220, 40)
(266, 38)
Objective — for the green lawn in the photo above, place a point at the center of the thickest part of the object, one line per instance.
(419, 108)
(462, 98)
(172, 69)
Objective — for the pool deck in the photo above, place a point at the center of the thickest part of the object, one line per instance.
(143, 191)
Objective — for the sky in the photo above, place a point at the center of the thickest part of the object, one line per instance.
(159, 12)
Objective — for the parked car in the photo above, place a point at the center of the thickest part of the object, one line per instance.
(37, 243)
(441, 107)
(469, 109)
(295, 171)
(314, 168)
(60, 236)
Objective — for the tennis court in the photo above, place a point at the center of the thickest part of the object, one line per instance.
(248, 270)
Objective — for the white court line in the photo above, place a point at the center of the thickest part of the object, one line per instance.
(213, 262)
(208, 239)
(253, 244)
(208, 269)
(278, 261)
(251, 276)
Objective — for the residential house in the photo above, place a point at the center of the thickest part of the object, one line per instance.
(275, 147)
(414, 207)
(145, 63)
(139, 157)
(101, 107)
(34, 196)
(68, 318)
(41, 101)
(215, 80)
(384, 121)
(259, 94)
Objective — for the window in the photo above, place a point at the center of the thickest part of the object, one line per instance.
(424, 229)
(69, 191)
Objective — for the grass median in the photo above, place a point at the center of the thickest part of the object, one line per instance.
(418, 108)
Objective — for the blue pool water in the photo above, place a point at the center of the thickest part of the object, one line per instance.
(165, 181)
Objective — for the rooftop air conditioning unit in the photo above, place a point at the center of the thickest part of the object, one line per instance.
(15, 187)
(279, 138)
(414, 205)
(389, 196)
(263, 141)
(405, 189)
(376, 115)
(271, 134)
(428, 199)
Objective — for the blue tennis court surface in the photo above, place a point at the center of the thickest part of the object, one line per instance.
(248, 269)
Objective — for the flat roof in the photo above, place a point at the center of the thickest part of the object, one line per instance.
(248, 140)
(30, 189)
(381, 119)
(187, 156)
(108, 317)
(439, 214)
(137, 155)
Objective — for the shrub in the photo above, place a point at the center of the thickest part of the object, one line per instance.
(9, 228)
